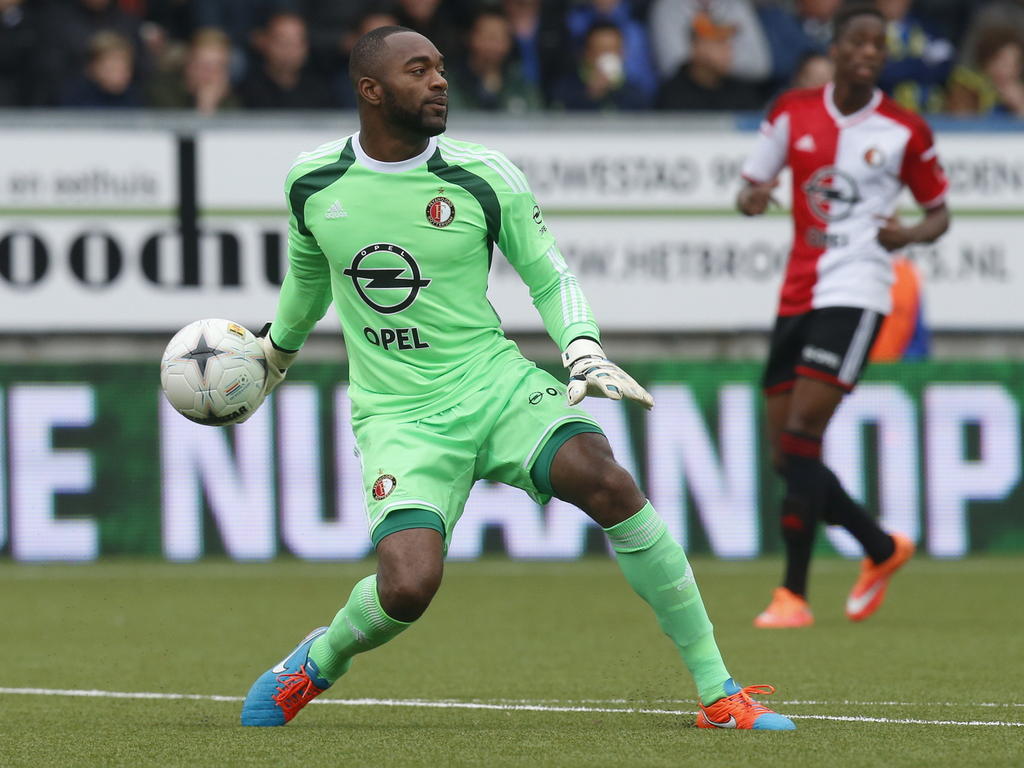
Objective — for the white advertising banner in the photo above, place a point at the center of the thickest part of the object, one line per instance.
(603, 170)
(708, 273)
(61, 170)
(567, 171)
(654, 273)
(597, 170)
(688, 170)
(90, 237)
(129, 275)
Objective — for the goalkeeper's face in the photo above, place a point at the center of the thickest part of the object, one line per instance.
(414, 91)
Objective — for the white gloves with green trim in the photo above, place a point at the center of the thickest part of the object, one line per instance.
(591, 373)
(277, 359)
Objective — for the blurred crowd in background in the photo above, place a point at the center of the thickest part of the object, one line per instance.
(962, 57)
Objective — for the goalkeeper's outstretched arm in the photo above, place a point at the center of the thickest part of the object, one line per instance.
(304, 299)
(530, 248)
(570, 323)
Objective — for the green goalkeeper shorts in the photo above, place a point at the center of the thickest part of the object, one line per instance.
(495, 433)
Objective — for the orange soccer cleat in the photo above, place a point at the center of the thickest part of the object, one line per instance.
(869, 591)
(787, 609)
(738, 710)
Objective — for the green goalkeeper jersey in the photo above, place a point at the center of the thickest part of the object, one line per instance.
(403, 251)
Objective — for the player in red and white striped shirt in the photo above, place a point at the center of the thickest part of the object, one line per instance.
(851, 151)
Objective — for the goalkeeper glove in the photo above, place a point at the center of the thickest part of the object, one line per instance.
(277, 359)
(591, 373)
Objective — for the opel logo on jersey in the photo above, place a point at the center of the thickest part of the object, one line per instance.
(440, 211)
(831, 194)
(394, 280)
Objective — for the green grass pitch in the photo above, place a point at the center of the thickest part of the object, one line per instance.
(935, 678)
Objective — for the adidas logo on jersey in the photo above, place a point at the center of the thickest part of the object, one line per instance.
(336, 211)
(806, 143)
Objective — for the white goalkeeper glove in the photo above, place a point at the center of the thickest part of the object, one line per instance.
(591, 373)
(277, 359)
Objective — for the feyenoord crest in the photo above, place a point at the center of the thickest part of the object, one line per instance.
(383, 486)
(440, 211)
(874, 157)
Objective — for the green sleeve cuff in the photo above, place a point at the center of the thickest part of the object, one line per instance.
(575, 330)
(287, 339)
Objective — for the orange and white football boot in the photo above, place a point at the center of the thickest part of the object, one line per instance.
(869, 591)
(787, 609)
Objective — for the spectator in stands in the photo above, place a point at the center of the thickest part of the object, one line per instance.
(19, 42)
(949, 18)
(330, 24)
(167, 26)
(283, 79)
(436, 21)
(175, 18)
(107, 79)
(815, 19)
(919, 61)
(994, 86)
(541, 41)
(636, 48)
(599, 81)
(1008, 14)
(205, 82)
(794, 35)
(239, 19)
(373, 17)
(671, 26)
(488, 78)
(815, 70)
(703, 82)
(524, 16)
(71, 28)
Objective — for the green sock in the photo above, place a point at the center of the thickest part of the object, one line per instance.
(360, 626)
(656, 567)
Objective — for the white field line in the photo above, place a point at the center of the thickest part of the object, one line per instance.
(94, 694)
(520, 706)
(786, 702)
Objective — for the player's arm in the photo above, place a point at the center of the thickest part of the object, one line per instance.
(754, 197)
(304, 299)
(765, 162)
(528, 245)
(923, 175)
(893, 236)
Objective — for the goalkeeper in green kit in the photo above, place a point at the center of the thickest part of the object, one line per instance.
(395, 226)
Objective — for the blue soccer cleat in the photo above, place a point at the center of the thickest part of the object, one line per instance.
(738, 710)
(280, 692)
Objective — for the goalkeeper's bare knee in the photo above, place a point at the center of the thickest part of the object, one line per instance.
(585, 473)
(409, 570)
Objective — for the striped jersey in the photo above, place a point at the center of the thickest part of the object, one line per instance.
(403, 251)
(848, 171)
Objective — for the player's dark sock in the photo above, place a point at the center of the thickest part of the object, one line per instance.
(806, 486)
(798, 529)
(840, 509)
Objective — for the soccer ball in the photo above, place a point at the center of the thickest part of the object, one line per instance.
(213, 372)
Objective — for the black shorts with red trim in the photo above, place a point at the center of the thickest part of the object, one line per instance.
(830, 344)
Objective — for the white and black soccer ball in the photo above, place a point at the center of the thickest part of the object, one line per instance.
(213, 372)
